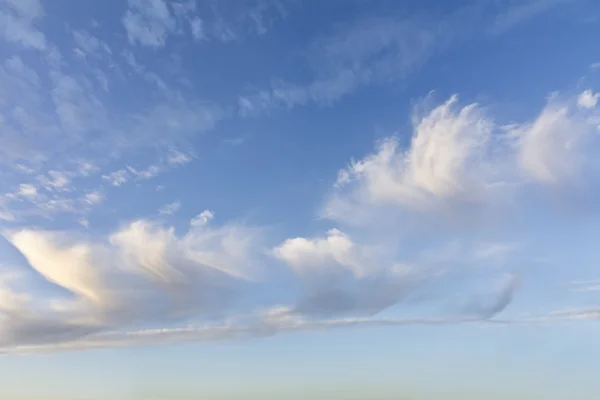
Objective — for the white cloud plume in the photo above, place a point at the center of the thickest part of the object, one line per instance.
(588, 99)
(459, 156)
(143, 273)
(203, 218)
(554, 149)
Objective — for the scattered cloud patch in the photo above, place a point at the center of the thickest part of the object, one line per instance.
(28, 190)
(148, 22)
(19, 21)
(203, 218)
(588, 99)
(117, 178)
(169, 209)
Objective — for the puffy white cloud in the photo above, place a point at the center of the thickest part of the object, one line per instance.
(203, 218)
(341, 277)
(304, 255)
(588, 99)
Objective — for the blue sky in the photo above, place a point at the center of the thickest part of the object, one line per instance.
(282, 198)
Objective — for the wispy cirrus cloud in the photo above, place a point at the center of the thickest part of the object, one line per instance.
(169, 209)
(518, 12)
(369, 52)
(376, 50)
(152, 22)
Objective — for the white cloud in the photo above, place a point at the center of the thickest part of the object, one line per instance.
(90, 44)
(150, 172)
(148, 22)
(117, 178)
(203, 218)
(172, 159)
(56, 181)
(70, 268)
(446, 162)
(178, 158)
(308, 255)
(6, 215)
(142, 274)
(170, 209)
(28, 190)
(521, 11)
(86, 168)
(553, 148)
(18, 20)
(588, 99)
(459, 156)
(93, 198)
(341, 277)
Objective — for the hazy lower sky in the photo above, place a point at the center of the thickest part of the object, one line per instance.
(291, 199)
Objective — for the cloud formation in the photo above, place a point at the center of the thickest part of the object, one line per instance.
(458, 156)
(87, 121)
(143, 273)
(19, 19)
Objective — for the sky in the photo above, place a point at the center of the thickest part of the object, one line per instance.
(282, 199)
